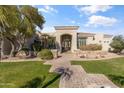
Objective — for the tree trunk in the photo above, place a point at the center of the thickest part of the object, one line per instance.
(1, 46)
(13, 47)
(20, 46)
(12, 50)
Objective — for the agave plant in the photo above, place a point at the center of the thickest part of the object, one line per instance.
(64, 72)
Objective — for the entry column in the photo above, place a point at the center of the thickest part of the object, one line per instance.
(74, 42)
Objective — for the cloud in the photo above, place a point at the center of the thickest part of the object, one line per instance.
(101, 21)
(47, 9)
(73, 22)
(92, 9)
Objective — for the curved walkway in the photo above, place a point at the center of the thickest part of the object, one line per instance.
(79, 78)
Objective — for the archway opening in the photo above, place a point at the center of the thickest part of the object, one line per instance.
(66, 41)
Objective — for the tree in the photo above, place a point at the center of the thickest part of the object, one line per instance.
(36, 45)
(51, 42)
(17, 23)
(117, 43)
(45, 40)
(48, 41)
(9, 20)
(31, 19)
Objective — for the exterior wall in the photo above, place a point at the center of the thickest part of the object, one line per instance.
(106, 44)
(99, 39)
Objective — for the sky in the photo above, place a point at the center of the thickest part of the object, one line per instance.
(107, 19)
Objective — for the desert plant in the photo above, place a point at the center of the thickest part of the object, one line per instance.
(45, 54)
(91, 47)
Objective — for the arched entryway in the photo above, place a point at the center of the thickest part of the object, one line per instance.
(66, 41)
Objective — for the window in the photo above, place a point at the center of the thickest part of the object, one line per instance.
(81, 41)
(93, 38)
(100, 41)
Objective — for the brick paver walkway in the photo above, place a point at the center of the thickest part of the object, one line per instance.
(79, 78)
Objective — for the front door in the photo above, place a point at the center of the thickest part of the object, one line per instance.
(66, 43)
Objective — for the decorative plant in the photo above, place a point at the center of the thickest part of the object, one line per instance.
(45, 54)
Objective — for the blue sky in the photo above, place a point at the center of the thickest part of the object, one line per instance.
(90, 18)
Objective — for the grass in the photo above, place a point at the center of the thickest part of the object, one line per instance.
(17, 74)
(112, 68)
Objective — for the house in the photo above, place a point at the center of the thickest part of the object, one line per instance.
(69, 39)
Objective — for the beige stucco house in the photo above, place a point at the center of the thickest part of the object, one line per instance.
(68, 38)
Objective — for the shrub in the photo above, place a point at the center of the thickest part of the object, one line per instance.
(45, 54)
(91, 47)
(117, 44)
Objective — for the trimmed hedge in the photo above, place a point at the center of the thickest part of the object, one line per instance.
(45, 54)
(91, 47)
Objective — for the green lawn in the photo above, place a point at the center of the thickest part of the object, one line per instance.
(17, 74)
(113, 68)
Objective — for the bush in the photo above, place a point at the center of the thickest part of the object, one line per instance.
(91, 47)
(45, 54)
(117, 44)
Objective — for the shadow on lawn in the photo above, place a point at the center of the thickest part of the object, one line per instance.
(34, 83)
(38, 82)
(119, 80)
